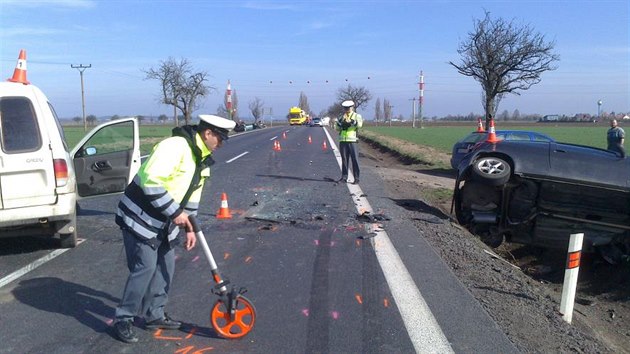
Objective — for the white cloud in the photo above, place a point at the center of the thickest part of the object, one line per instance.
(29, 32)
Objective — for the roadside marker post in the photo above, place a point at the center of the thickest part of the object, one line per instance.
(571, 276)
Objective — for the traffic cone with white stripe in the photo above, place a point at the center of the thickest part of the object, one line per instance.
(480, 126)
(224, 211)
(310, 141)
(492, 135)
(324, 146)
(19, 74)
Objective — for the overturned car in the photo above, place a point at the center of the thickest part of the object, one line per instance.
(538, 193)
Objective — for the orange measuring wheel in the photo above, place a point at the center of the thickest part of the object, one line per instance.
(236, 322)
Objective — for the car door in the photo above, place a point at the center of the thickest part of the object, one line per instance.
(107, 158)
(590, 165)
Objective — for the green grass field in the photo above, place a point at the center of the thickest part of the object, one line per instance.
(443, 137)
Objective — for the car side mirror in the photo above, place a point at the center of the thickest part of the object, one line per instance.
(89, 151)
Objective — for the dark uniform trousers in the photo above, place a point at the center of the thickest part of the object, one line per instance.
(349, 151)
(150, 272)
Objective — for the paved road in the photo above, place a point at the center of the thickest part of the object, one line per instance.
(321, 278)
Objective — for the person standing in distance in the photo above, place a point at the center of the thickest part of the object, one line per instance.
(154, 208)
(348, 125)
(615, 137)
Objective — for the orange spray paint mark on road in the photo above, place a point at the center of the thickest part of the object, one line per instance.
(359, 298)
(248, 259)
(188, 350)
(192, 333)
(158, 335)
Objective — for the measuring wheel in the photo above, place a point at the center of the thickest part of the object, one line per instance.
(236, 324)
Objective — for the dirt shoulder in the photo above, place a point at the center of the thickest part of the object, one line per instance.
(519, 287)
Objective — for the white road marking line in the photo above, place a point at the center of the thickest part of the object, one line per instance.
(29, 267)
(424, 331)
(234, 158)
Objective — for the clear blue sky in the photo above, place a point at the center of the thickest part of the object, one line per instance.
(273, 49)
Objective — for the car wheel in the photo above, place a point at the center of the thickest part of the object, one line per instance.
(67, 231)
(491, 170)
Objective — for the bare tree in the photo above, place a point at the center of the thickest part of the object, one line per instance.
(360, 95)
(378, 113)
(504, 58)
(256, 107)
(181, 86)
(387, 111)
(304, 104)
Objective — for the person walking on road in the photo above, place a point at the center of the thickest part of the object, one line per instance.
(348, 125)
(155, 206)
(615, 137)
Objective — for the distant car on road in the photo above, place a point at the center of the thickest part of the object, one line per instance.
(465, 145)
(316, 122)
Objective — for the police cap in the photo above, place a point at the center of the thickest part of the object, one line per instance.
(347, 104)
(217, 124)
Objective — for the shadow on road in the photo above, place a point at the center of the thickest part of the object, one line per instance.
(67, 298)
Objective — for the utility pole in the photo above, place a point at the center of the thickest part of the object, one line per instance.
(421, 99)
(81, 69)
(413, 112)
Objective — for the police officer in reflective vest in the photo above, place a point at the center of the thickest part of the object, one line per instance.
(348, 124)
(154, 208)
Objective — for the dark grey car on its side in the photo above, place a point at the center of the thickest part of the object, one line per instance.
(538, 193)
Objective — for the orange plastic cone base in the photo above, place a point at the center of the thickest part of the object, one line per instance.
(224, 211)
(19, 74)
(324, 146)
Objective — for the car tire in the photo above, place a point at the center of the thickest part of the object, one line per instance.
(68, 239)
(491, 170)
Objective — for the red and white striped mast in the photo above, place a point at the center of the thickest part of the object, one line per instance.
(228, 104)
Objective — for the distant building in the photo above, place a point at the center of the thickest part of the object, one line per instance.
(550, 118)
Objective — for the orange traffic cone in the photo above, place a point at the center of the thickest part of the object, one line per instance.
(224, 211)
(284, 135)
(324, 146)
(278, 147)
(310, 141)
(479, 126)
(19, 74)
(492, 135)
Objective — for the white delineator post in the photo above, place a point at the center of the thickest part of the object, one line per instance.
(228, 104)
(571, 276)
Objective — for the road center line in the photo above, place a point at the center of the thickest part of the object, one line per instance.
(424, 331)
(33, 265)
(239, 156)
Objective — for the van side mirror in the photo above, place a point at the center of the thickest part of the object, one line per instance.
(89, 151)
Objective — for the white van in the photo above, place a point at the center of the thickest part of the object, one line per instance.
(40, 178)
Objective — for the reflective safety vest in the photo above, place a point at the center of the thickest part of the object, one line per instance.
(155, 196)
(348, 125)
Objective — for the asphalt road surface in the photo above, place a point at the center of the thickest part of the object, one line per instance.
(323, 278)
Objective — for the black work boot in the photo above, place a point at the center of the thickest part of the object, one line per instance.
(124, 331)
(163, 323)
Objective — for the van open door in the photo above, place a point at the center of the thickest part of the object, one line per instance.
(107, 158)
